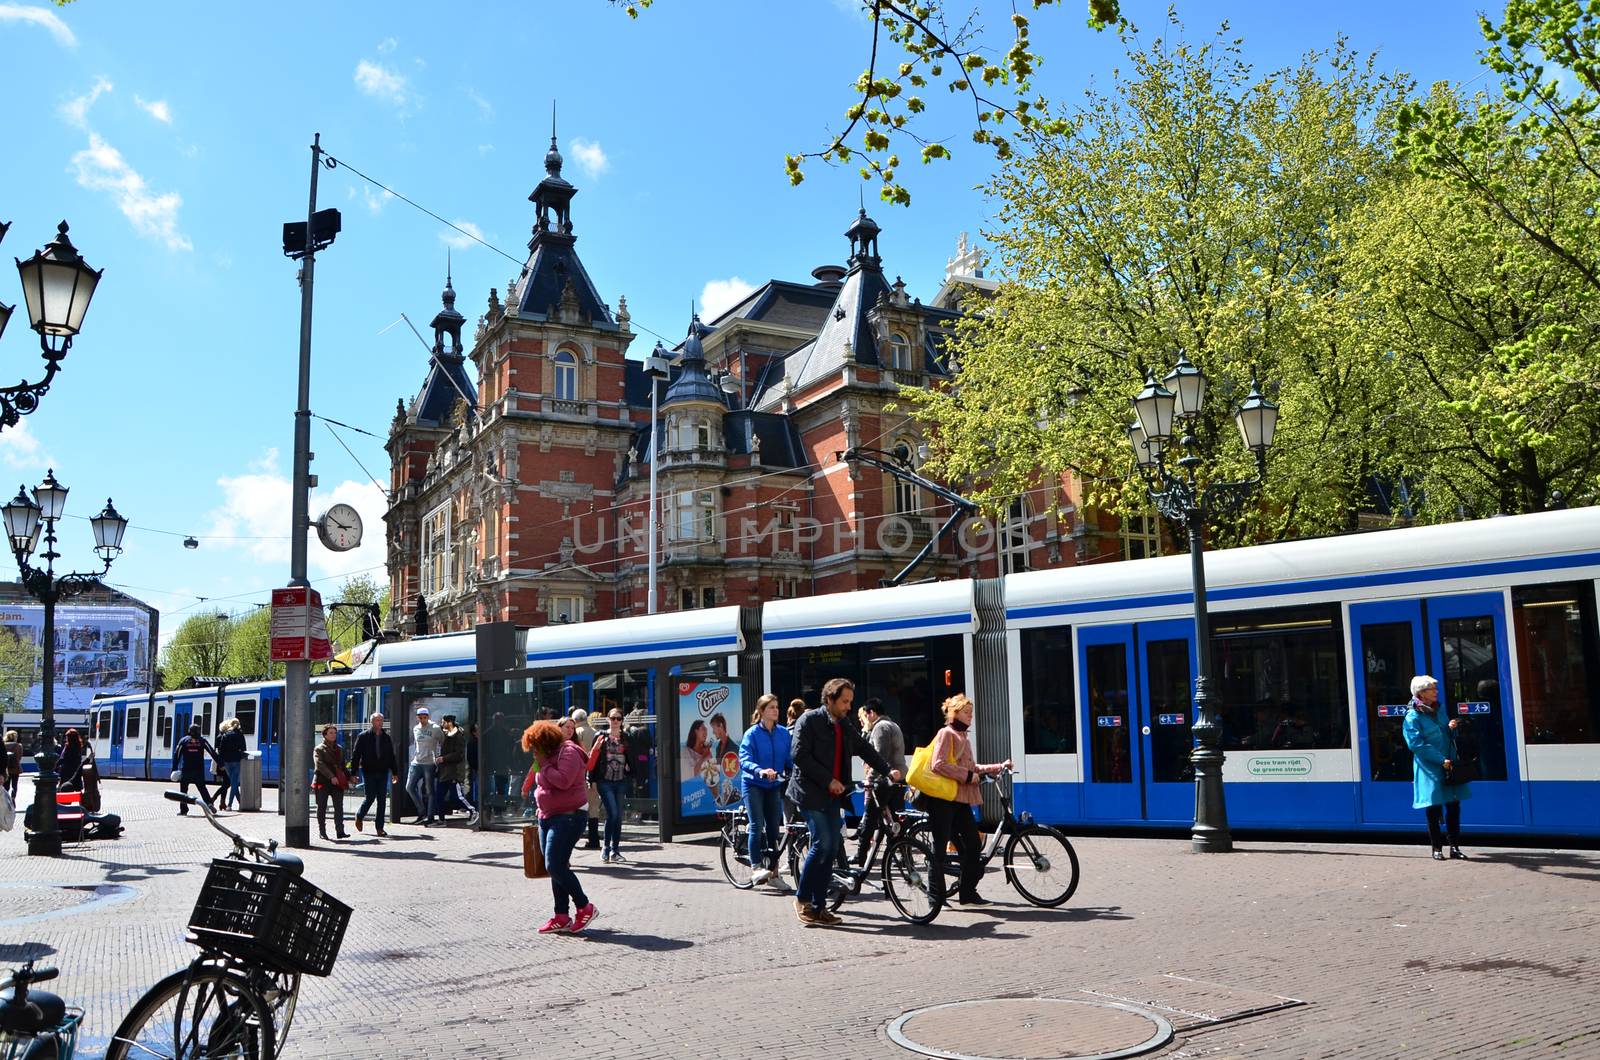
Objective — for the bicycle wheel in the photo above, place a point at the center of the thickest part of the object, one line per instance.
(798, 843)
(922, 832)
(908, 880)
(199, 1013)
(1041, 865)
(736, 853)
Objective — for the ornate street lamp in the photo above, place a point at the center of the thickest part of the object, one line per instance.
(1176, 494)
(57, 287)
(26, 518)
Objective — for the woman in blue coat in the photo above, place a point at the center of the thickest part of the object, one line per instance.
(1432, 740)
(764, 762)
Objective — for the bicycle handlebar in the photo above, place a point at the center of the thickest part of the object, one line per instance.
(26, 975)
(241, 844)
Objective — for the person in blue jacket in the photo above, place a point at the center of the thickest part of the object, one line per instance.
(1432, 740)
(764, 761)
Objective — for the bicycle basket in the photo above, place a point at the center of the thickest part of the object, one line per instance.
(263, 914)
(16, 1046)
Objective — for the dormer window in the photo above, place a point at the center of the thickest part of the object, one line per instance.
(899, 352)
(566, 377)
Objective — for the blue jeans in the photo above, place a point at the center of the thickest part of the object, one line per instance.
(612, 792)
(765, 807)
(231, 792)
(827, 835)
(557, 836)
(419, 786)
(377, 787)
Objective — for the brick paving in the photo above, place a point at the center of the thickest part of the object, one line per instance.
(1396, 955)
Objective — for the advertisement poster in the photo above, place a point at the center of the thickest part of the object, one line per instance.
(98, 649)
(710, 725)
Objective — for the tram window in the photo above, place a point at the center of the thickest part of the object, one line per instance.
(245, 711)
(130, 729)
(1049, 715)
(1106, 675)
(102, 724)
(1559, 652)
(1280, 678)
(1470, 674)
(323, 706)
(1389, 661)
(911, 677)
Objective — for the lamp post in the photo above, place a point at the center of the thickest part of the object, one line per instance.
(26, 520)
(57, 286)
(1177, 494)
(656, 367)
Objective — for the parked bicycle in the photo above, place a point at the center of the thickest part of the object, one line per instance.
(1039, 861)
(907, 867)
(259, 926)
(35, 1024)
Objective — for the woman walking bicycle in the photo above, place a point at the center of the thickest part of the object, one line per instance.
(949, 805)
(765, 758)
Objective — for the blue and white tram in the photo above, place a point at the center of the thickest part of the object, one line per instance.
(1085, 675)
(1314, 644)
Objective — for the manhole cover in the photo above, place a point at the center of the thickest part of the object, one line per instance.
(1030, 1028)
(28, 902)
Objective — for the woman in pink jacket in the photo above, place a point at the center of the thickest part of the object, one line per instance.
(952, 757)
(562, 795)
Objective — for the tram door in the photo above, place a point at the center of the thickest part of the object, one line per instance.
(1137, 687)
(1461, 641)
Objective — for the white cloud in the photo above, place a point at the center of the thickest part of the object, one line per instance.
(156, 108)
(380, 82)
(101, 167)
(76, 110)
(459, 241)
(484, 106)
(590, 155)
(255, 509)
(40, 16)
(21, 449)
(387, 45)
(375, 200)
(718, 296)
(484, 149)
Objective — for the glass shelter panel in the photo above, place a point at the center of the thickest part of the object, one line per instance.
(1558, 650)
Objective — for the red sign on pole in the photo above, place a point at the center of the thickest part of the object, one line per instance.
(299, 631)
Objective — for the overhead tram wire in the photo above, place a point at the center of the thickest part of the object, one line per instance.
(334, 163)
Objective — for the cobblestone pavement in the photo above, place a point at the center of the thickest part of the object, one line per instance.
(1396, 955)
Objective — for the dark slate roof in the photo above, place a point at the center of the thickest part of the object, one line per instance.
(847, 322)
(692, 382)
(803, 305)
(552, 261)
(635, 384)
(780, 439)
(446, 384)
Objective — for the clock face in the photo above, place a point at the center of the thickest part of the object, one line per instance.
(340, 528)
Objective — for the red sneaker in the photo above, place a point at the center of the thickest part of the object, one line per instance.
(556, 924)
(584, 915)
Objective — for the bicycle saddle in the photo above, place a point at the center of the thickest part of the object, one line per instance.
(41, 1011)
(290, 863)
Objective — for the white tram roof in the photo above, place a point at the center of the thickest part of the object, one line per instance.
(441, 653)
(585, 645)
(1545, 546)
(925, 610)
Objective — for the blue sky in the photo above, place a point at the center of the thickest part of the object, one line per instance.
(173, 139)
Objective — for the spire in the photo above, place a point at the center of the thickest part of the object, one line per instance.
(552, 157)
(693, 383)
(449, 295)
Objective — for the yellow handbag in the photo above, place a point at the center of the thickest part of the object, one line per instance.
(920, 775)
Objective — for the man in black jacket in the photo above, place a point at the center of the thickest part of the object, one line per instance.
(374, 757)
(823, 747)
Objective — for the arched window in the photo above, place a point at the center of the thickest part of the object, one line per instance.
(566, 377)
(899, 352)
(1015, 541)
(907, 498)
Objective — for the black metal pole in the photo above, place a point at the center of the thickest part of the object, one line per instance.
(46, 838)
(1210, 835)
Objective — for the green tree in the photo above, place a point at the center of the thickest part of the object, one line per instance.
(19, 666)
(1486, 336)
(347, 626)
(1191, 207)
(250, 647)
(199, 648)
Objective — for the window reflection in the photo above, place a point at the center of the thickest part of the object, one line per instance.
(1049, 721)
(1279, 678)
(1559, 653)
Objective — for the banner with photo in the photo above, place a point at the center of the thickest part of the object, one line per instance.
(98, 649)
(710, 725)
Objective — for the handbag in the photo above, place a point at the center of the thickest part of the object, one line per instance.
(920, 775)
(341, 779)
(1463, 771)
(532, 854)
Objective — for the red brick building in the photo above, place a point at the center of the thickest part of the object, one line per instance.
(525, 495)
